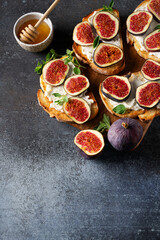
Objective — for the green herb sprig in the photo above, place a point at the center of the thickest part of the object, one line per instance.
(62, 98)
(70, 58)
(158, 27)
(96, 42)
(108, 8)
(120, 109)
(50, 56)
(104, 124)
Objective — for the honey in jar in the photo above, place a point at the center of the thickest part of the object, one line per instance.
(43, 30)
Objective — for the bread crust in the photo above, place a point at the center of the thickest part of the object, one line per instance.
(142, 114)
(113, 69)
(131, 40)
(61, 116)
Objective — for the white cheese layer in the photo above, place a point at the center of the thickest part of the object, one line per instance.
(141, 38)
(89, 50)
(131, 103)
(60, 89)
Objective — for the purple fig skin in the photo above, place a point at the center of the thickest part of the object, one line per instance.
(88, 157)
(125, 138)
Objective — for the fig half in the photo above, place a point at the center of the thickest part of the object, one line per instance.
(83, 34)
(89, 141)
(116, 88)
(106, 25)
(154, 7)
(152, 41)
(107, 54)
(138, 22)
(75, 85)
(151, 70)
(55, 71)
(77, 109)
(148, 94)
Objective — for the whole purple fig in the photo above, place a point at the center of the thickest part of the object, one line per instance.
(125, 133)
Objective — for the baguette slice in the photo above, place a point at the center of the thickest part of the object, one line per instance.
(133, 40)
(142, 114)
(61, 116)
(113, 69)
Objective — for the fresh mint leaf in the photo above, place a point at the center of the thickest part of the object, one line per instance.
(38, 64)
(52, 51)
(111, 4)
(66, 60)
(51, 55)
(38, 69)
(57, 95)
(104, 124)
(65, 98)
(104, 8)
(75, 61)
(77, 70)
(108, 8)
(48, 56)
(69, 52)
(96, 42)
(120, 109)
(62, 98)
(106, 119)
(157, 27)
(70, 58)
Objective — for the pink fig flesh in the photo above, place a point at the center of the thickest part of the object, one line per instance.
(77, 109)
(76, 85)
(83, 34)
(55, 71)
(151, 70)
(90, 141)
(106, 25)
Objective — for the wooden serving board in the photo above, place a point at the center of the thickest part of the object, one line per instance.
(133, 64)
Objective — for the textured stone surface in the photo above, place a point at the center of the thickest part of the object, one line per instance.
(48, 191)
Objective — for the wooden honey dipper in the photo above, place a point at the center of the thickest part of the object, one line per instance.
(29, 34)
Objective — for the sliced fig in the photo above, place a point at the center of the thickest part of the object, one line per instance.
(77, 109)
(55, 71)
(138, 22)
(107, 54)
(151, 70)
(75, 85)
(83, 34)
(116, 88)
(89, 141)
(152, 41)
(154, 7)
(106, 25)
(148, 94)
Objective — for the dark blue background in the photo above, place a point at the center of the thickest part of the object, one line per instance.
(48, 191)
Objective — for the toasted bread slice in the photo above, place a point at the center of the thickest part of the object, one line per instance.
(142, 114)
(137, 41)
(113, 69)
(61, 116)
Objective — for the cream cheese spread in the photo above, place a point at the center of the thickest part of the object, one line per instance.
(60, 89)
(141, 38)
(131, 103)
